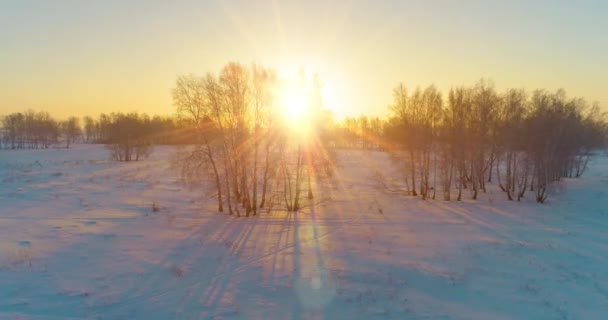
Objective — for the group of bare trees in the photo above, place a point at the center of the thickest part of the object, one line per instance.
(131, 136)
(127, 136)
(37, 130)
(527, 142)
(243, 145)
(159, 130)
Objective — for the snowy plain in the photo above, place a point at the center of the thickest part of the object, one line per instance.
(79, 240)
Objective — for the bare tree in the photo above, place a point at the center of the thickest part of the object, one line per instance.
(128, 137)
(90, 130)
(70, 129)
(191, 97)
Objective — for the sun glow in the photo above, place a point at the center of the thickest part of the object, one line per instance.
(296, 112)
(295, 102)
(295, 105)
(309, 94)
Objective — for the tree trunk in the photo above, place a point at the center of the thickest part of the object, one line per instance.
(218, 185)
(413, 172)
(265, 182)
(296, 201)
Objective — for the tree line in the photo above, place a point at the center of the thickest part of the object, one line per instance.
(447, 144)
(36, 130)
(129, 136)
(526, 141)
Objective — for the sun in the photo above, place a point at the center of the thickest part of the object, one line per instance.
(304, 94)
(296, 112)
(295, 105)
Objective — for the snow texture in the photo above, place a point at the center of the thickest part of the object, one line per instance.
(79, 239)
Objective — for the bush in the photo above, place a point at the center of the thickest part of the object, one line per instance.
(129, 137)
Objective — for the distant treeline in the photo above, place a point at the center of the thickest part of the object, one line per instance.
(39, 130)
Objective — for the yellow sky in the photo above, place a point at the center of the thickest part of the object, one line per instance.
(83, 58)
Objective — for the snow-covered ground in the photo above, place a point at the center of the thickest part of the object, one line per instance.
(79, 239)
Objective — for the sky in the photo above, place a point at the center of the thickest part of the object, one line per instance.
(86, 57)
